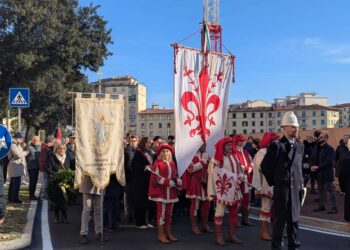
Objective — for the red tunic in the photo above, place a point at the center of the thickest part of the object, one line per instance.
(244, 159)
(159, 186)
(197, 177)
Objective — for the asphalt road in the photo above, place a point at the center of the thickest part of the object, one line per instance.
(66, 236)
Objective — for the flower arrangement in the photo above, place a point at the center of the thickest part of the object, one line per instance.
(60, 187)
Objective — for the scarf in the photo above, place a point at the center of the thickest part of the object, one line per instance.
(61, 159)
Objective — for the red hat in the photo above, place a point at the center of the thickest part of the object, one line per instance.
(219, 148)
(267, 139)
(165, 146)
(239, 137)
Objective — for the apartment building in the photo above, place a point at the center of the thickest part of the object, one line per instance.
(250, 120)
(344, 116)
(134, 94)
(156, 121)
(303, 99)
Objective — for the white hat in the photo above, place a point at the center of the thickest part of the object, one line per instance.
(289, 119)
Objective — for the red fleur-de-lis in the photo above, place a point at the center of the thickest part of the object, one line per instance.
(223, 184)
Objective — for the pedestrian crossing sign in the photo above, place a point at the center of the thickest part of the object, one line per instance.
(19, 97)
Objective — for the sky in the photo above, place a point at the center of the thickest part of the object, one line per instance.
(282, 47)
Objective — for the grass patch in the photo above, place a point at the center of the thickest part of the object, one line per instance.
(16, 216)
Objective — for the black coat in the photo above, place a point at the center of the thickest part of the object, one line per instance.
(54, 165)
(340, 153)
(140, 181)
(129, 153)
(283, 170)
(323, 157)
(344, 183)
(308, 150)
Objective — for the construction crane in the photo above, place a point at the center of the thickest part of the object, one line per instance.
(211, 30)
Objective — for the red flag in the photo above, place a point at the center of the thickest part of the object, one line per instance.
(58, 134)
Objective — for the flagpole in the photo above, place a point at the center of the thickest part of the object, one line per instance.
(19, 119)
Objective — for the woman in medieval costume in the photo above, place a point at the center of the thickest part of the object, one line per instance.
(163, 189)
(224, 175)
(196, 190)
(263, 188)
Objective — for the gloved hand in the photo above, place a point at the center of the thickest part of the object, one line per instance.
(179, 182)
(172, 183)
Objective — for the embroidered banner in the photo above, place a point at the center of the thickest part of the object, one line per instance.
(202, 86)
(99, 130)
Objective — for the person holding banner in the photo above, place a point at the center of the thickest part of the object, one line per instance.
(242, 155)
(196, 190)
(263, 188)
(163, 189)
(224, 178)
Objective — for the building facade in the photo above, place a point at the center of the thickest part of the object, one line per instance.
(344, 116)
(246, 120)
(156, 121)
(134, 94)
(303, 99)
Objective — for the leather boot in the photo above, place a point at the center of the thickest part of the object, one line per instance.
(161, 235)
(232, 234)
(219, 237)
(245, 219)
(195, 229)
(168, 233)
(263, 232)
(204, 220)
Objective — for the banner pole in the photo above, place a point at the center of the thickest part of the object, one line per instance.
(19, 119)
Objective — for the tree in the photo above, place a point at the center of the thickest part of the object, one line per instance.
(47, 45)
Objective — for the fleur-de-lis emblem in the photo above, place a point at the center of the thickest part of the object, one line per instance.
(223, 184)
(205, 101)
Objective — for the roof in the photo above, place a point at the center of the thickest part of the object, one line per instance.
(239, 108)
(342, 105)
(156, 111)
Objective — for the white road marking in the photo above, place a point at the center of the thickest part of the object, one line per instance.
(45, 230)
(316, 230)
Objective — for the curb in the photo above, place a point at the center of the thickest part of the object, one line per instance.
(26, 237)
(316, 223)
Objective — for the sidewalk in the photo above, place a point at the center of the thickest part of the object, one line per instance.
(26, 238)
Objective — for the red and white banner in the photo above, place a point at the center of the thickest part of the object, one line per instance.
(202, 87)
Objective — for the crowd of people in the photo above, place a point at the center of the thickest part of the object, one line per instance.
(269, 172)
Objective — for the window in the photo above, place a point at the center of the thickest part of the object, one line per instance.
(261, 115)
(244, 131)
(151, 126)
(244, 124)
(142, 126)
(253, 131)
(234, 124)
(261, 131)
(278, 114)
(253, 115)
(142, 117)
(322, 112)
(313, 113)
(270, 123)
(151, 133)
(234, 131)
(270, 114)
(303, 114)
(261, 123)
(322, 122)
(168, 125)
(253, 123)
(233, 115)
(278, 123)
(160, 125)
(244, 115)
(279, 130)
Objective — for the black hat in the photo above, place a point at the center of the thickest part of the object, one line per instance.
(72, 135)
(18, 135)
(317, 133)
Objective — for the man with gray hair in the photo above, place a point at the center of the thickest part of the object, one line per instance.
(282, 168)
(322, 163)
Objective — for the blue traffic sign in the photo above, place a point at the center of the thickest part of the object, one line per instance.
(19, 97)
(5, 141)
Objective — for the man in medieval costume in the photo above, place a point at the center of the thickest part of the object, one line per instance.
(223, 185)
(242, 155)
(263, 189)
(196, 190)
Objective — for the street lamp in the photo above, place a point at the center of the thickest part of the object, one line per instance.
(100, 74)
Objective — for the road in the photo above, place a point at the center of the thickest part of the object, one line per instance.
(66, 236)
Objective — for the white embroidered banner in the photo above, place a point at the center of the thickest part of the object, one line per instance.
(99, 129)
(201, 97)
